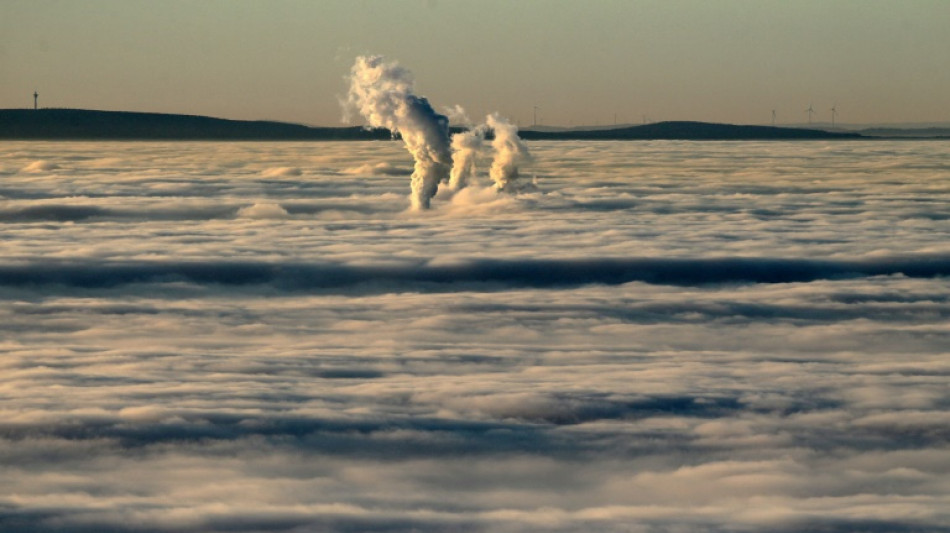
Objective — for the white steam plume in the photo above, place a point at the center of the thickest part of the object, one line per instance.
(465, 148)
(457, 115)
(510, 151)
(382, 93)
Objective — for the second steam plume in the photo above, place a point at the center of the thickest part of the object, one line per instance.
(381, 92)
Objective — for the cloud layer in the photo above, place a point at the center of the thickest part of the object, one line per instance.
(664, 336)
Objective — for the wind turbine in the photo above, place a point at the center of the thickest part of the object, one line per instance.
(810, 112)
(536, 115)
(773, 118)
(834, 112)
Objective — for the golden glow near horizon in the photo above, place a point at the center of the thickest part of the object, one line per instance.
(578, 62)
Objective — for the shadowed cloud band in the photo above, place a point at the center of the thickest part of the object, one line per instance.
(531, 273)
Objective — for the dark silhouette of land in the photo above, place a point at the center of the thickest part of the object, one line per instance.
(80, 124)
(698, 131)
(903, 133)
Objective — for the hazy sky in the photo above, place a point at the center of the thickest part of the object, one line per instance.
(579, 62)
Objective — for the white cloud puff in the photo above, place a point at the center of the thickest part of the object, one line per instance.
(263, 210)
(39, 166)
(275, 172)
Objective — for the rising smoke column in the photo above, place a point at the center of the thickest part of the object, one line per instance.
(382, 93)
(465, 147)
(510, 151)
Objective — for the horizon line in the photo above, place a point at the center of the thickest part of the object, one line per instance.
(538, 127)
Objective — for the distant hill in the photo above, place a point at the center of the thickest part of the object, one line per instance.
(81, 124)
(689, 131)
(920, 133)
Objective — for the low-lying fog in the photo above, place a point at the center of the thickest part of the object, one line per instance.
(725, 336)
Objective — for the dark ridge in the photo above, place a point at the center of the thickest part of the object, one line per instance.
(476, 274)
(689, 131)
(910, 133)
(81, 124)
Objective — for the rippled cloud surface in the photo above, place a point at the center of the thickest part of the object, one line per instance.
(667, 336)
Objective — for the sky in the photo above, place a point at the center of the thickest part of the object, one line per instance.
(579, 63)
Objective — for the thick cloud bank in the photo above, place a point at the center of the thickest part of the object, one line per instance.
(670, 336)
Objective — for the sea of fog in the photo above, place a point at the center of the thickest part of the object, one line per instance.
(663, 336)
